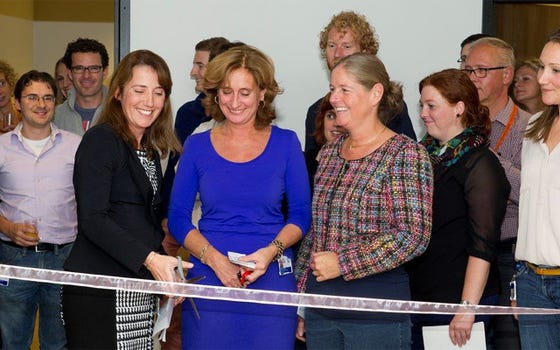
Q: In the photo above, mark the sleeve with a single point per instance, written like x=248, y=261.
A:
x=99, y=155
x=512, y=168
x=183, y=195
x=410, y=188
x=297, y=187
x=486, y=195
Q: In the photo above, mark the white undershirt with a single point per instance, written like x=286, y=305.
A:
x=36, y=145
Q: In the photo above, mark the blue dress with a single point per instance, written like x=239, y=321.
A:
x=241, y=212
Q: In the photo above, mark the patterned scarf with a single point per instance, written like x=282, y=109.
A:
x=444, y=156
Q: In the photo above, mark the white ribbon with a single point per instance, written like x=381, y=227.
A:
x=256, y=295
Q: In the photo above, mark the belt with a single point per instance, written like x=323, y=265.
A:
x=40, y=247
x=544, y=270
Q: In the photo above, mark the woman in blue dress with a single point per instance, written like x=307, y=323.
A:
x=243, y=168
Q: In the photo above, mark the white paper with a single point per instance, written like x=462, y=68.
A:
x=164, y=318
x=437, y=338
x=233, y=257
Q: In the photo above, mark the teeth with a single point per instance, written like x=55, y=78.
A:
x=144, y=112
x=340, y=109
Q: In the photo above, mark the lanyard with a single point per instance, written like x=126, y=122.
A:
x=507, y=129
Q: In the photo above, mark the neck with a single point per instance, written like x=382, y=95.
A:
x=35, y=133
x=239, y=131
x=89, y=101
x=366, y=137
x=534, y=105
x=497, y=105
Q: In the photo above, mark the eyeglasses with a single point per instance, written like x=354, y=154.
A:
x=35, y=98
x=462, y=59
x=480, y=72
x=90, y=69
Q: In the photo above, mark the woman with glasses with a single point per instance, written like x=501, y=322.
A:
x=470, y=196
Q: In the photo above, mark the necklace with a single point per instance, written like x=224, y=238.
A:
x=368, y=142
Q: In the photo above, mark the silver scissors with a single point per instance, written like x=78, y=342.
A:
x=181, y=274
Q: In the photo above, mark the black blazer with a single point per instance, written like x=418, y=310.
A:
x=118, y=224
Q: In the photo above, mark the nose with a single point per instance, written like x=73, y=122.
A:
x=193, y=72
x=339, y=52
x=149, y=100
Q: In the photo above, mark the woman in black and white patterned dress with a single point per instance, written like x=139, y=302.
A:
x=117, y=179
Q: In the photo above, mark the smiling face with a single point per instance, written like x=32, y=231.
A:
x=5, y=91
x=63, y=82
x=330, y=129
x=340, y=45
x=142, y=99
x=36, y=114
x=239, y=98
x=549, y=74
x=525, y=85
x=352, y=102
x=200, y=61
x=87, y=84
x=439, y=116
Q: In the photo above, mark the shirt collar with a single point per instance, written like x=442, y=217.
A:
x=55, y=132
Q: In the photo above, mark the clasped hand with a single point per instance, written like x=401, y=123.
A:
x=325, y=265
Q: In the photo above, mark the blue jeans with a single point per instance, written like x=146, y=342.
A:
x=328, y=333
x=20, y=299
x=538, y=331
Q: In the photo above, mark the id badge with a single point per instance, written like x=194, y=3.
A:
x=284, y=266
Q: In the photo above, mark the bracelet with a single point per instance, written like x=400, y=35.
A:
x=279, y=249
x=149, y=259
x=466, y=303
x=203, y=253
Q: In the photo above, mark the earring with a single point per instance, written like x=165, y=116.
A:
x=458, y=115
x=216, y=99
x=262, y=103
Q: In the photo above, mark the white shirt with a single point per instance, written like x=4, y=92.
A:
x=538, y=239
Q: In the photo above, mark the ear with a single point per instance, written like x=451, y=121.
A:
x=460, y=108
x=18, y=105
x=508, y=75
x=105, y=72
x=117, y=95
x=376, y=93
x=261, y=95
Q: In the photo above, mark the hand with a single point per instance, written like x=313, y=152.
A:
x=22, y=234
x=325, y=265
x=163, y=267
x=300, y=331
x=460, y=329
x=262, y=258
x=223, y=268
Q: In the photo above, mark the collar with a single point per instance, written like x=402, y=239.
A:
x=55, y=132
x=503, y=116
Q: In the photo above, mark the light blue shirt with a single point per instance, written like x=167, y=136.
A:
x=40, y=186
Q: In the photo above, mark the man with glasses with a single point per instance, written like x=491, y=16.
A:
x=490, y=65
x=87, y=61
x=37, y=213
x=466, y=47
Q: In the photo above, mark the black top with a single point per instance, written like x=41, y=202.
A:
x=117, y=208
x=400, y=124
x=469, y=204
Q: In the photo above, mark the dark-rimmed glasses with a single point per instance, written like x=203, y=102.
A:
x=82, y=69
x=480, y=72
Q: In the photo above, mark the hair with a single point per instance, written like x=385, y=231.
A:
x=324, y=107
x=361, y=30
x=85, y=45
x=59, y=97
x=472, y=38
x=506, y=54
x=455, y=86
x=33, y=76
x=539, y=129
x=9, y=73
x=160, y=135
x=212, y=45
x=533, y=63
x=261, y=68
x=368, y=70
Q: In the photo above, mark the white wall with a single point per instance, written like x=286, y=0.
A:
x=51, y=38
x=416, y=38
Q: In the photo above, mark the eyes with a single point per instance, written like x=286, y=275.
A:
x=242, y=92
x=333, y=46
x=142, y=91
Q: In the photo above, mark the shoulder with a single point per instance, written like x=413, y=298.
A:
x=312, y=110
x=284, y=135
x=482, y=157
x=102, y=136
x=68, y=137
x=402, y=144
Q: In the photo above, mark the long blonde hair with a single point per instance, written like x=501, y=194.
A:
x=540, y=128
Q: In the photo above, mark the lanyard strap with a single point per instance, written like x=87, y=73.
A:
x=507, y=129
